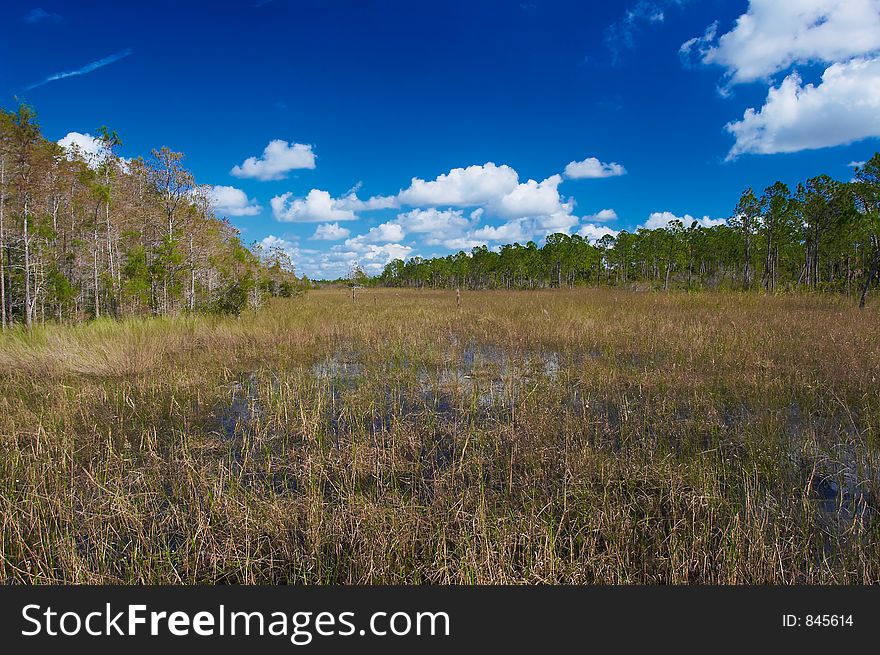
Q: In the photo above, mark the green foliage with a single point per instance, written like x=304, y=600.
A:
x=233, y=298
x=136, y=273
x=825, y=236
x=113, y=239
x=61, y=292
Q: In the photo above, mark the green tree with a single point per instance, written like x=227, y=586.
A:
x=867, y=193
x=745, y=221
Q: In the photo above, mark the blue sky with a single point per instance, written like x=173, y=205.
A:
x=369, y=130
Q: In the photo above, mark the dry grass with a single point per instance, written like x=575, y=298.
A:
x=589, y=436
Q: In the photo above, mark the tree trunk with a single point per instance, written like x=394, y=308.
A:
x=875, y=264
x=768, y=264
x=192, y=277
x=110, y=259
x=27, y=271
x=97, y=290
x=3, y=243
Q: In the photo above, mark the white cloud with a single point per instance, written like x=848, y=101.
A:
x=317, y=207
x=698, y=47
x=86, y=147
x=372, y=250
x=277, y=160
x=352, y=202
x=337, y=262
x=528, y=210
x=594, y=232
x=489, y=188
x=289, y=247
x=592, y=168
x=663, y=219
x=773, y=35
x=622, y=35
x=770, y=38
x=526, y=229
x=602, y=216
x=383, y=233
x=518, y=230
x=462, y=187
x=88, y=68
x=561, y=221
x=856, y=164
x=532, y=198
x=229, y=201
x=330, y=232
x=494, y=190
x=843, y=108
x=453, y=230
x=370, y=256
x=448, y=228
x=459, y=243
x=435, y=222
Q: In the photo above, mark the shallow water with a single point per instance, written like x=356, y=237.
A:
x=480, y=384
x=243, y=407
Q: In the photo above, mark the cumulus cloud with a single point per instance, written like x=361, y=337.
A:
x=450, y=211
x=593, y=232
x=317, y=207
x=372, y=257
x=490, y=188
x=773, y=35
x=526, y=229
x=230, y=201
x=592, y=168
x=518, y=230
x=277, y=160
x=532, y=198
x=663, y=219
x=843, y=108
x=561, y=221
x=330, y=232
x=352, y=202
x=383, y=233
x=435, y=222
x=460, y=243
x=462, y=187
x=529, y=209
x=287, y=246
x=85, y=147
x=338, y=260
x=602, y=216
x=449, y=228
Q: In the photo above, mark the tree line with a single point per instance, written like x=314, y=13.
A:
x=825, y=235
x=88, y=237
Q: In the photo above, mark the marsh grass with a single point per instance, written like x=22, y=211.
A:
x=586, y=436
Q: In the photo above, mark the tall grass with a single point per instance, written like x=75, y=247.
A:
x=586, y=436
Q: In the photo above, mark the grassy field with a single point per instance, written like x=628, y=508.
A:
x=585, y=436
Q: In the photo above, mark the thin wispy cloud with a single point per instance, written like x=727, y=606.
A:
x=88, y=68
x=622, y=35
x=40, y=15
